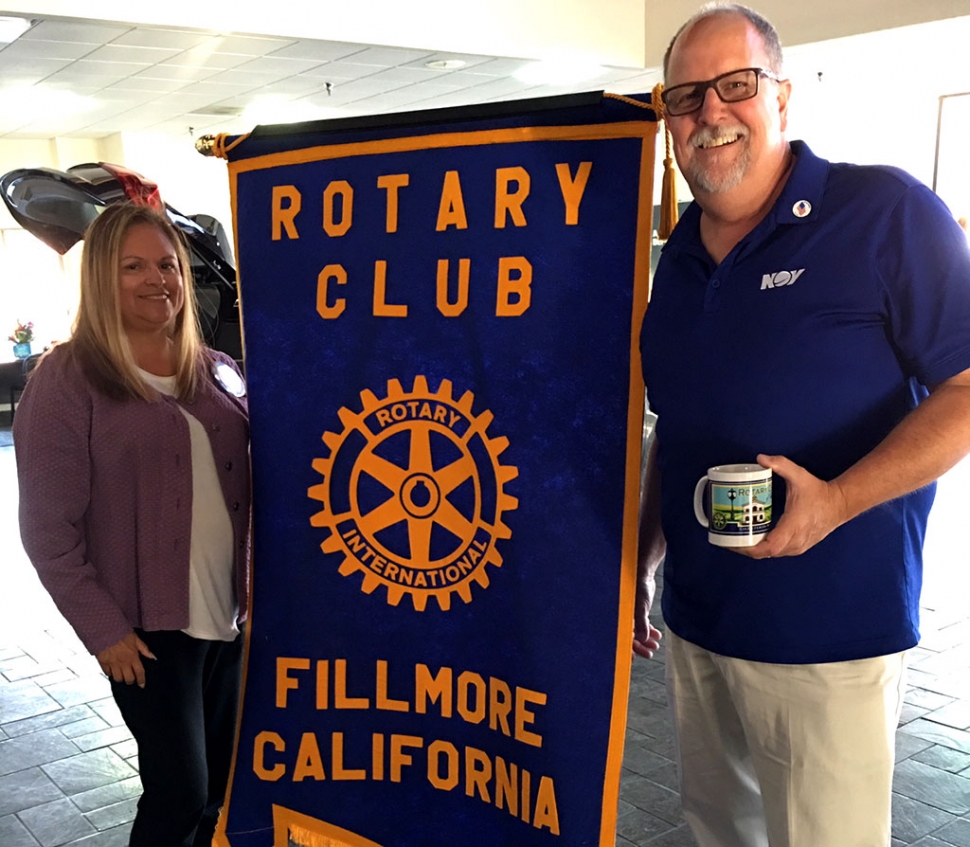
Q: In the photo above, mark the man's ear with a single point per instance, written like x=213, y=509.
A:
x=784, y=93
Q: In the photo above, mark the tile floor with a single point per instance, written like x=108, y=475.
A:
x=68, y=767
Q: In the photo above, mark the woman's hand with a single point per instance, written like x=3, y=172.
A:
x=122, y=661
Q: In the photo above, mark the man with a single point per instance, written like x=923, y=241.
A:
x=815, y=317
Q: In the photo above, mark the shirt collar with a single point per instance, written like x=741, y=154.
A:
x=805, y=185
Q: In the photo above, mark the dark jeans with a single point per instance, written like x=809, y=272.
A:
x=184, y=722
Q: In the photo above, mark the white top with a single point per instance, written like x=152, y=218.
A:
x=212, y=597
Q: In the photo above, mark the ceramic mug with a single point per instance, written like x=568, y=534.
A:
x=734, y=503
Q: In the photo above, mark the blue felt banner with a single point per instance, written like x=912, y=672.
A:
x=440, y=323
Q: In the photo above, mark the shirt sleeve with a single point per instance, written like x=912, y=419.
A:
x=924, y=267
x=51, y=431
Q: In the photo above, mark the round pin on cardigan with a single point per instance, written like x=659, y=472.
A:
x=229, y=379
x=802, y=209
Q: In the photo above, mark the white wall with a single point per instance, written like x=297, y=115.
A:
x=192, y=183
x=36, y=284
x=805, y=22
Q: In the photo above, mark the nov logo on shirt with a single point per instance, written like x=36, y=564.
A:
x=780, y=278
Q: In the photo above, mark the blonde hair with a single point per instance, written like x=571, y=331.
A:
x=98, y=338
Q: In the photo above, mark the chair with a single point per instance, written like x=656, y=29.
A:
x=20, y=382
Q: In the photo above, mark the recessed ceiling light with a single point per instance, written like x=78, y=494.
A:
x=558, y=72
x=12, y=28
x=446, y=64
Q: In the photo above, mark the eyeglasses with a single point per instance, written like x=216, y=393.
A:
x=732, y=87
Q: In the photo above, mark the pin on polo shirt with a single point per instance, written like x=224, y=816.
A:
x=801, y=209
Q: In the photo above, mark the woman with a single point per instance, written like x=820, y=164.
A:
x=132, y=456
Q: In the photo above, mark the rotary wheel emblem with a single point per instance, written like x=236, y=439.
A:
x=413, y=494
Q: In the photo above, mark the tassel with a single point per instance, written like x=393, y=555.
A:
x=668, y=189
x=668, y=200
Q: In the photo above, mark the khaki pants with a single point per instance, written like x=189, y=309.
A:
x=785, y=755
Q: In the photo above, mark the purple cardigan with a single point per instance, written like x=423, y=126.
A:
x=106, y=497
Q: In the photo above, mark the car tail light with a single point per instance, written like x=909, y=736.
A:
x=137, y=188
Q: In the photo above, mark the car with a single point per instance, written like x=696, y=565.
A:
x=57, y=207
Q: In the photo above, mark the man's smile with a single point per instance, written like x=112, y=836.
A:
x=710, y=138
x=719, y=142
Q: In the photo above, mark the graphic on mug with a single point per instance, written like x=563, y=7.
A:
x=742, y=508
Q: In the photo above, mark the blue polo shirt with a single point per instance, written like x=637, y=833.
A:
x=812, y=339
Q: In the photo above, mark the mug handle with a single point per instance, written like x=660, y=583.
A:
x=699, y=502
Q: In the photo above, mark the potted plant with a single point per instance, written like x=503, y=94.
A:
x=21, y=338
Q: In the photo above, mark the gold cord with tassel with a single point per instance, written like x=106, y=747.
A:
x=668, y=188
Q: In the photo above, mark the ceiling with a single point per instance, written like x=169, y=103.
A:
x=142, y=78
x=154, y=76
